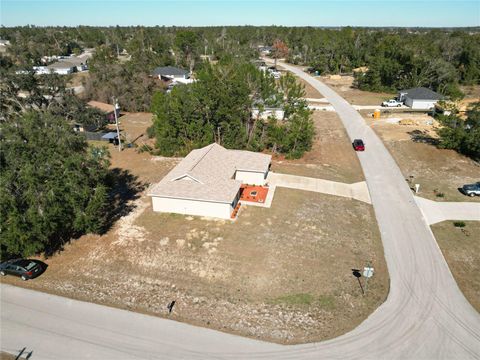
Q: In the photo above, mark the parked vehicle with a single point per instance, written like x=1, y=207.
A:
x=275, y=73
x=392, y=103
x=26, y=269
x=471, y=189
x=358, y=145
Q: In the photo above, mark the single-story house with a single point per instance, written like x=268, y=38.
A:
x=167, y=73
x=62, y=67
x=419, y=98
x=106, y=108
x=207, y=182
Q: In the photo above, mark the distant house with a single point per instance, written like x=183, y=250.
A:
x=68, y=64
x=208, y=181
x=265, y=50
x=62, y=68
x=3, y=45
x=266, y=113
x=106, y=108
x=419, y=98
x=168, y=73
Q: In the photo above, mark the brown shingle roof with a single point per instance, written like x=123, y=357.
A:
x=101, y=106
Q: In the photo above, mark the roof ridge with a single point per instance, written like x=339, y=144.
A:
x=201, y=158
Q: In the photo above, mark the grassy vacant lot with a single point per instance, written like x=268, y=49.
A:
x=461, y=249
x=281, y=274
x=438, y=171
x=344, y=88
x=331, y=157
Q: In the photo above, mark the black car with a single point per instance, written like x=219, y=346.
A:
x=471, y=189
x=24, y=268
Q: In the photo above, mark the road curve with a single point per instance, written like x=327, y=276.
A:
x=424, y=317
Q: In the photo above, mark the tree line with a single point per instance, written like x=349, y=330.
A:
x=440, y=59
x=219, y=107
x=53, y=185
x=461, y=133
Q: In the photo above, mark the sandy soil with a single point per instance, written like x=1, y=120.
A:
x=344, y=88
x=281, y=274
x=461, y=249
x=331, y=157
x=439, y=172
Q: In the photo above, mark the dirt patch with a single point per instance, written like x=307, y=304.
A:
x=331, y=157
x=461, y=249
x=344, y=87
x=439, y=172
x=134, y=126
x=310, y=91
x=281, y=274
x=7, y=356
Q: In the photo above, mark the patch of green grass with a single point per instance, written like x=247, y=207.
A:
x=327, y=302
x=295, y=299
x=459, y=224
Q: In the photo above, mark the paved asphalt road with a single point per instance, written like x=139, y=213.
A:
x=425, y=316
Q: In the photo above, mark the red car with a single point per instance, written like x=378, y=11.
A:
x=358, y=145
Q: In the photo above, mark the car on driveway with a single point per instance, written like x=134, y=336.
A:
x=358, y=145
x=392, y=103
x=471, y=189
x=25, y=269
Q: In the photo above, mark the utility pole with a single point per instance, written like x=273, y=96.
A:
x=115, y=108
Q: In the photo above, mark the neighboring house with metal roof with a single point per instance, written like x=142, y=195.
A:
x=419, y=98
x=207, y=182
x=170, y=73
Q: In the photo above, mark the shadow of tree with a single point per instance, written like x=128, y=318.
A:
x=420, y=136
x=125, y=188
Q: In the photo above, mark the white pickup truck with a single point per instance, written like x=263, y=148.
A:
x=392, y=103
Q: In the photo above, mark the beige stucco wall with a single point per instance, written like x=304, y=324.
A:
x=250, y=177
x=192, y=207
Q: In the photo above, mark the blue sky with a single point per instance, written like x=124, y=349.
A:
x=433, y=13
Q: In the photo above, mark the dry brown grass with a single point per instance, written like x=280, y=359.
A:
x=344, y=87
x=77, y=79
x=461, y=249
x=281, y=274
x=7, y=356
x=331, y=157
x=438, y=171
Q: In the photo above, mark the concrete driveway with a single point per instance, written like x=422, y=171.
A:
x=358, y=191
x=436, y=211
